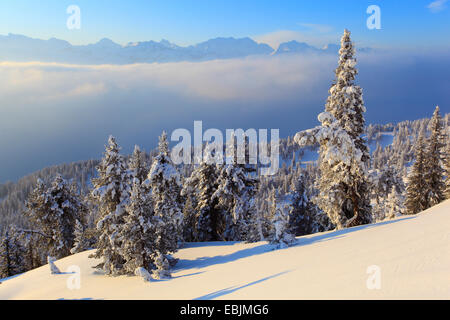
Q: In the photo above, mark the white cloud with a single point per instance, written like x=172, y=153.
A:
x=255, y=79
x=36, y=82
x=437, y=6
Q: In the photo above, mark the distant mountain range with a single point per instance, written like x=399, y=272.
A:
x=24, y=49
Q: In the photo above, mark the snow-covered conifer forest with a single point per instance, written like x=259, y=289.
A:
x=134, y=212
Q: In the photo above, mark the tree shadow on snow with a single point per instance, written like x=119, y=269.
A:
x=229, y=290
x=175, y=277
x=187, y=275
x=10, y=278
x=209, y=244
x=90, y=299
x=63, y=273
x=202, y=262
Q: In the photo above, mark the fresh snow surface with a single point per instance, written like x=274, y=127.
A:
x=411, y=252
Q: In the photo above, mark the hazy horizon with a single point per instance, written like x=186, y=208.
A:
x=403, y=23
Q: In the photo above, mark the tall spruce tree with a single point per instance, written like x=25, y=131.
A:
x=346, y=104
x=33, y=258
x=164, y=182
x=12, y=254
x=302, y=215
x=200, y=187
x=343, y=155
x=6, y=256
x=111, y=194
x=280, y=233
x=138, y=169
x=345, y=101
x=189, y=220
x=256, y=226
x=139, y=232
x=435, y=186
x=81, y=242
x=53, y=212
x=137, y=166
x=237, y=186
x=388, y=176
x=394, y=204
x=69, y=208
x=35, y=206
x=416, y=199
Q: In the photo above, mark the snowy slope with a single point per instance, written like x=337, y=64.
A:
x=413, y=254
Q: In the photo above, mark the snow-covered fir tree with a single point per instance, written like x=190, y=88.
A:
x=164, y=182
x=235, y=194
x=33, y=258
x=200, y=187
x=343, y=156
x=341, y=168
x=189, y=220
x=12, y=254
x=346, y=104
x=394, y=206
x=281, y=235
x=302, y=215
x=35, y=200
x=54, y=212
x=111, y=193
x=255, y=230
x=435, y=186
x=81, y=242
x=384, y=180
x=345, y=101
x=67, y=206
x=416, y=199
x=137, y=166
x=139, y=232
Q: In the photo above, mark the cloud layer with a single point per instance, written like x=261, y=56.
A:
x=53, y=113
x=256, y=79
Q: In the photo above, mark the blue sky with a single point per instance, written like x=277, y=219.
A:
x=404, y=23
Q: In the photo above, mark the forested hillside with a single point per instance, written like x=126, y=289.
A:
x=391, y=144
